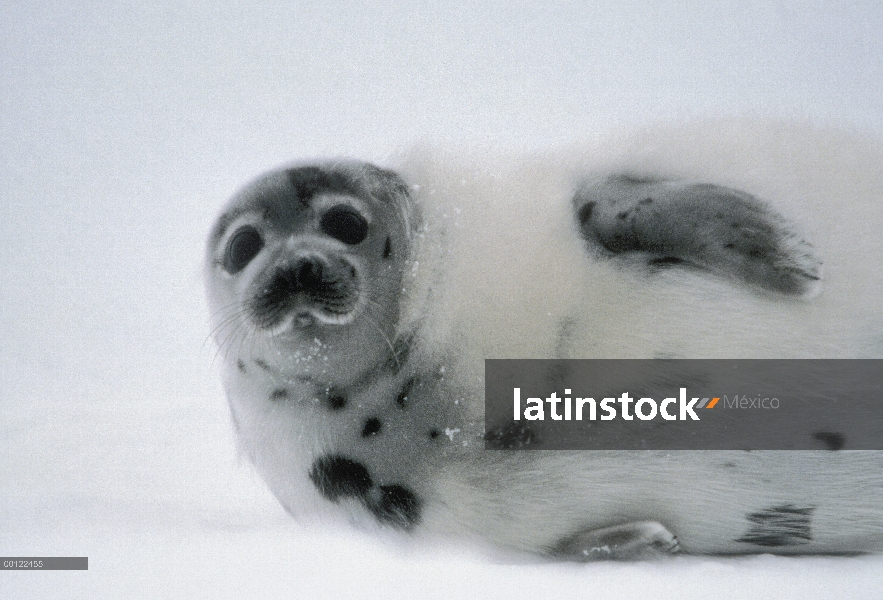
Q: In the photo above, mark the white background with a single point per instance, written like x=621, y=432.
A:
x=123, y=128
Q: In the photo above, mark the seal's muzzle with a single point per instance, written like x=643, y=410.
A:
x=310, y=288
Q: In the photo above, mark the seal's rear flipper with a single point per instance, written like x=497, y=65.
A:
x=719, y=229
x=641, y=539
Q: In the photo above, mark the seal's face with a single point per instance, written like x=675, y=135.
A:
x=305, y=270
x=314, y=268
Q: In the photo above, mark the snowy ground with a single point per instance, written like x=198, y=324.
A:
x=125, y=125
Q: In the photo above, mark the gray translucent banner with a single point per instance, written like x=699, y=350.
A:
x=684, y=404
x=43, y=563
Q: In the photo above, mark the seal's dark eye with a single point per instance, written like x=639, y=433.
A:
x=344, y=223
x=243, y=246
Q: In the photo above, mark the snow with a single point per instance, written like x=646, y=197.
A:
x=126, y=125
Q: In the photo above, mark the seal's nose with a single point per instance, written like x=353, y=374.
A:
x=328, y=288
x=304, y=280
x=305, y=275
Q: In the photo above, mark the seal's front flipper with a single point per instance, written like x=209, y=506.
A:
x=719, y=229
x=641, y=539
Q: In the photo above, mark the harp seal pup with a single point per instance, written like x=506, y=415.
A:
x=353, y=307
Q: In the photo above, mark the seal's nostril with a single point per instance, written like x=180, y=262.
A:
x=308, y=273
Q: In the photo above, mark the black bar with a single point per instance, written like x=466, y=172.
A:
x=44, y=563
x=811, y=404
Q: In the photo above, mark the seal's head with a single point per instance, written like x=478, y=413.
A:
x=305, y=270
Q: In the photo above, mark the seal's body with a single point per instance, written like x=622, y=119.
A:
x=354, y=307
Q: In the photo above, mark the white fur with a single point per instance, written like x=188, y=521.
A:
x=502, y=265
x=498, y=266
x=504, y=261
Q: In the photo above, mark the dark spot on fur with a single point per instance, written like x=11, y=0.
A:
x=338, y=477
x=336, y=400
x=363, y=181
x=784, y=525
x=511, y=435
x=280, y=394
x=585, y=212
x=665, y=261
x=622, y=215
x=262, y=364
x=402, y=398
x=241, y=366
x=396, y=506
x=633, y=178
x=309, y=181
x=832, y=440
x=434, y=433
x=646, y=201
x=387, y=249
x=372, y=427
x=757, y=252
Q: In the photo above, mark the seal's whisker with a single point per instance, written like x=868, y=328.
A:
x=221, y=317
x=224, y=323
